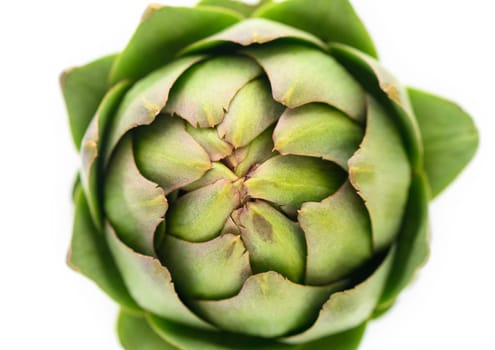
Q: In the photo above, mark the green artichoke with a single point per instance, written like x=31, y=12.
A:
x=252, y=177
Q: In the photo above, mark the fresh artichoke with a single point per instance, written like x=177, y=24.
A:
x=252, y=178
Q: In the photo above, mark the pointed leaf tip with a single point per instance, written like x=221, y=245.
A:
x=449, y=137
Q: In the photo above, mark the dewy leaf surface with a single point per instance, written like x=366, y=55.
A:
x=299, y=74
x=330, y=20
x=163, y=34
x=89, y=254
x=449, y=136
x=83, y=89
x=381, y=173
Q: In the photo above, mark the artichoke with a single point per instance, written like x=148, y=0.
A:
x=253, y=178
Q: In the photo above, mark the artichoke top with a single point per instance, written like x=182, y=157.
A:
x=253, y=177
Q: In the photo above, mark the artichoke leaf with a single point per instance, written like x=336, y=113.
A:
x=449, y=137
x=196, y=339
x=253, y=31
x=203, y=94
x=145, y=101
x=384, y=85
x=89, y=254
x=268, y=305
x=349, y=308
x=331, y=21
x=412, y=243
x=251, y=112
x=381, y=173
x=275, y=243
x=215, y=269
x=200, y=215
x=162, y=34
x=317, y=130
x=338, y=236
x=259, y=150
x=136, y=334
x=150, y=283
x=92, y=146
x=168, y=155
x=83, y=89
x=299, y=75
x=217, y=172
x=235, y=5
x=208, y=138
x=134, y=205
x=292, y=180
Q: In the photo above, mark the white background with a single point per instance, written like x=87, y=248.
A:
x=444, y=46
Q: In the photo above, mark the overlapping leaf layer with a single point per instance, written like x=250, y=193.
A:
x=249, y=183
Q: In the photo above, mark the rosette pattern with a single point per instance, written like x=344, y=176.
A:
x=253, y=178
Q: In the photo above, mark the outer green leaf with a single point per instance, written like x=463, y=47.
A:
x=195, y=339
x=92, y=146
x=449, y=136
x=385, y=87
x=235, y=5
x=90, y=255
x=381, y=173
x=136, y=334
x=83, y=89
x=348, y=340
x=268, y=305
x=330, y=20
x=412, y=242
x=163, y=33
x=347, y=309
x=253, y=31
x=150, y=283
x=300, y=75
x=134, y=205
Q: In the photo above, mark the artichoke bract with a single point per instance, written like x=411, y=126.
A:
x=253, y=178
